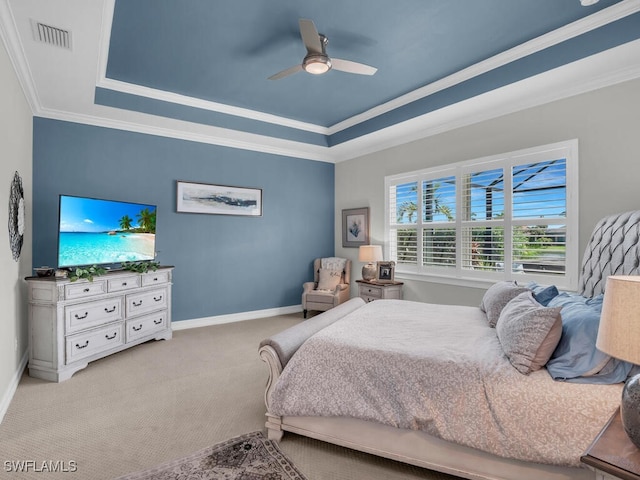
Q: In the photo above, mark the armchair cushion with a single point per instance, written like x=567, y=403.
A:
x=329, y=279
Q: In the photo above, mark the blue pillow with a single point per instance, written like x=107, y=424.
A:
x=576, y=358
x=543, y=293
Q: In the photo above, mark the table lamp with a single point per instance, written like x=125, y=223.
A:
x=369, y=254
x=619, y=336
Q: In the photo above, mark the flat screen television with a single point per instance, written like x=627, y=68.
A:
x=100, y=232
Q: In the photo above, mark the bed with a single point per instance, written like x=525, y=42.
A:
x=458, y=389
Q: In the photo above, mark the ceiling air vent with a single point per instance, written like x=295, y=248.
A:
x=58, y=37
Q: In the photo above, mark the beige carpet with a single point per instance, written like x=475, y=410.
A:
x=161, y=401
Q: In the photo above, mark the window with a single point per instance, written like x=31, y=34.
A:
x=511, y=216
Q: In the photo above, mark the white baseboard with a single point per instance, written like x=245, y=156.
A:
x=234, y=317
x=13, y=385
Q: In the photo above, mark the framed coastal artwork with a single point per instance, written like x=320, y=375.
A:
x=355, y=227
x=218, y=199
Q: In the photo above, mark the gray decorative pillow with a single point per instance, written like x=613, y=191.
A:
x=496, y=297
x=529, y=332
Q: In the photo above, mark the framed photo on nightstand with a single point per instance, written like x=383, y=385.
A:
x=385, y=272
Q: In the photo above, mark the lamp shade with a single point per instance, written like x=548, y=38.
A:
x=619, y=336
x=619, y=332
x=370, y=253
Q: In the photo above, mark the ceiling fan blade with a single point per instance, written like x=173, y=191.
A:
x=286, y=73
x=352, y=67
x=310, y=36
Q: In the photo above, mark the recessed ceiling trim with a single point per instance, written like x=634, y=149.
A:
x=579, y=27
x=591, y=73
x=124, y=87
x=209, y=135
x=9, y=36
x=187, y=101
x=584, y=25
x=602, y=70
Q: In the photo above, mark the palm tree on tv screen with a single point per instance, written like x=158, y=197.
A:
x=147, y=220
x=126, y=222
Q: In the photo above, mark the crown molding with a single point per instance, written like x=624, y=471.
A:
x=574, y=29
x=579, y=27
x=153, y=93
x=607, y=68
x=144, y=123
x=11, y=39
x=592, y=73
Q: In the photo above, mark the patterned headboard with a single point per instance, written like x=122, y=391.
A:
x=614, y=249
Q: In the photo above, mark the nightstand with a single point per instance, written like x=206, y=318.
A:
x=612, y=455
x=370, y=291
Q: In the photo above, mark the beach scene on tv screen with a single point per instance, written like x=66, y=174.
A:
x=93, y=231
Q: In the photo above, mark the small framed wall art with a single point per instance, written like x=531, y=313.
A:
x=385, y=272
x=355, y=227
x=218, y=199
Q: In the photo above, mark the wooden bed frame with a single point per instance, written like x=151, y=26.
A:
x=603, y=257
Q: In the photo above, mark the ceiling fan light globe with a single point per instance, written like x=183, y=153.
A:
x=316, y=64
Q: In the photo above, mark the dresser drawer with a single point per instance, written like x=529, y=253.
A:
x=92, y=314
x=123, y=283
x=155, y=278
x=145, y=302
x=142, y=326
x=94, y=341
x=84, y=289
x=369, y=291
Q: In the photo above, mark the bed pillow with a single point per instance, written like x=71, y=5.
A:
x=328, y=279
x=576, y=358
x=543, y=293
x=528, y=332
x=496, y=297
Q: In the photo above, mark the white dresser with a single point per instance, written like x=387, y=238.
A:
x=74, y=323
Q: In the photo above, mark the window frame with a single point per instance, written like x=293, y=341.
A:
x=567, y=150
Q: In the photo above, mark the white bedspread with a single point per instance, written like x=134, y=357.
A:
x=441, y=369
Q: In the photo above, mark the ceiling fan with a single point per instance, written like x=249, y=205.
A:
x=316, y=61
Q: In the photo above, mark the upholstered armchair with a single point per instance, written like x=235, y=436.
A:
x=330, y=286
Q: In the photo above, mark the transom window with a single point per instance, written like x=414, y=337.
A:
x=510, y=216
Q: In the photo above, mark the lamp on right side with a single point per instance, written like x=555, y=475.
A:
x=619, y=336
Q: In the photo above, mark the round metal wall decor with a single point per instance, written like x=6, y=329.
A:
x=16, y=216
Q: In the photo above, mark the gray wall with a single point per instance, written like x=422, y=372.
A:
x=224, y=264
x=605, y=122
x=15, y=145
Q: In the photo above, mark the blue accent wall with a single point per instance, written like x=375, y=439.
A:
x=224, y=264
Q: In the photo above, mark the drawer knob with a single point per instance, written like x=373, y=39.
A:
x=115, y=334
x=157, y=299
x=155, y=279
x=138, y=328
x=86, y=344
x=124, y=284
x=113, y=309
x=137, y=304
x=81, y=317
x=86, y=290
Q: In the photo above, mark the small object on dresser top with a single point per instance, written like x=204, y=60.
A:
x=43, y=271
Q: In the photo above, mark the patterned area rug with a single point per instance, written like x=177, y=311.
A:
x=247, y=457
